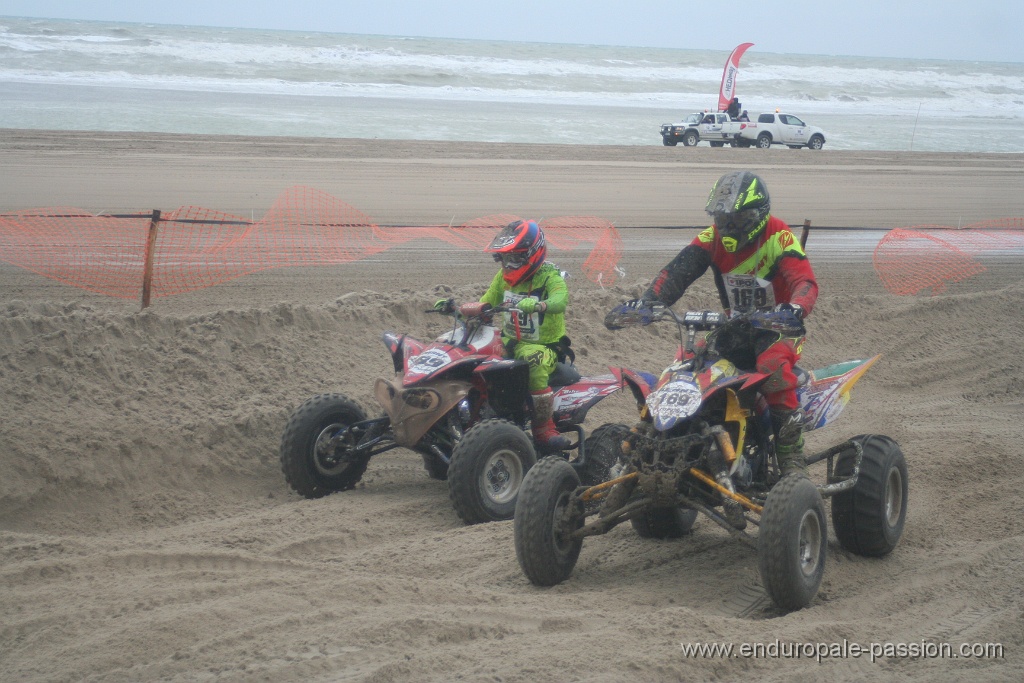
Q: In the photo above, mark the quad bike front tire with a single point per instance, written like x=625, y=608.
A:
x=545, y=517
x=791, y=543
x=487, y=469
x=868, y=519
x=309, y=468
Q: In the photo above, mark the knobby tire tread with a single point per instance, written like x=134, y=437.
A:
x=295, y=457
x=464, y=474
x=543, y=563
x=778, y=558
x=858, y=515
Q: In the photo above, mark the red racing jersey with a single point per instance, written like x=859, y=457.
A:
x=774, y=259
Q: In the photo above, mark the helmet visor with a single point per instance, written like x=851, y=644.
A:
x=736, y=225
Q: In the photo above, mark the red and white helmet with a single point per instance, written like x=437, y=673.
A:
x=520, y=248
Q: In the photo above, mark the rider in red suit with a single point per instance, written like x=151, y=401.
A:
x=758, y=265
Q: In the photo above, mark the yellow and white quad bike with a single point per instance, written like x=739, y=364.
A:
x=704, y=444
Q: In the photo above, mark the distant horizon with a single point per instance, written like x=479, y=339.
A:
x=725, y=51
x=888, y=29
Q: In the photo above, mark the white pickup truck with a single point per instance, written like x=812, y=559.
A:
x=780, y=129
x=714, y=127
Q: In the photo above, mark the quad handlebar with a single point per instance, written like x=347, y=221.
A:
x=468, y=316
x=640, y=313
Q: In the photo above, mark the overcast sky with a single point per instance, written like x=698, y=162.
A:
x=987, y=30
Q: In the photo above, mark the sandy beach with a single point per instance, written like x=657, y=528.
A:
x=147, y=532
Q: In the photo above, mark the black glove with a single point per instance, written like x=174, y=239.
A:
x=444, y=306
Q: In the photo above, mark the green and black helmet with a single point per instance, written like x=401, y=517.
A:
x=740, y=205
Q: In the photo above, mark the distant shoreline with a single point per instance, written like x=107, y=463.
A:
x=401, y=148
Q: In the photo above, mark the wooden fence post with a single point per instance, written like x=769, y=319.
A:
x=147, y=268
x=804, y=233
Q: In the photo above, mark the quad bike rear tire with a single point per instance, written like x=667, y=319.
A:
x=868, y=519
x=487, y=469
x=308, y=468
x=791, y=543
x=545, y=516
x=436, y=467
x=664, y=523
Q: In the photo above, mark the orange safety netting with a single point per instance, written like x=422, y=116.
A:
x=196, y=247
x=911, y=260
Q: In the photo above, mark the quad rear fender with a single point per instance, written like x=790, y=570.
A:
x=572, y=401
x=826, y=394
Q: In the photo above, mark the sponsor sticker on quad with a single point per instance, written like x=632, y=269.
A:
x=571, y=398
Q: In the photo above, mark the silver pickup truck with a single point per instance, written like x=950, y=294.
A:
x=763, y=131
x=714, y=127
x=780, y=129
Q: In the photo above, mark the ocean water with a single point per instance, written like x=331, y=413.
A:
x=74, y=75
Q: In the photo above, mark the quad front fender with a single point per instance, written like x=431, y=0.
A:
x=754, y=381
x=414, y=410
x=640, y=383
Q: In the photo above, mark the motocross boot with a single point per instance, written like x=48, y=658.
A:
x=733, y=510
x=546, y=436
x=734, y=515
x=789, y=441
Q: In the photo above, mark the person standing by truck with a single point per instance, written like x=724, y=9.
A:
x=733, y=110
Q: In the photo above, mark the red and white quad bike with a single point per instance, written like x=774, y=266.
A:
x=463, y=406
